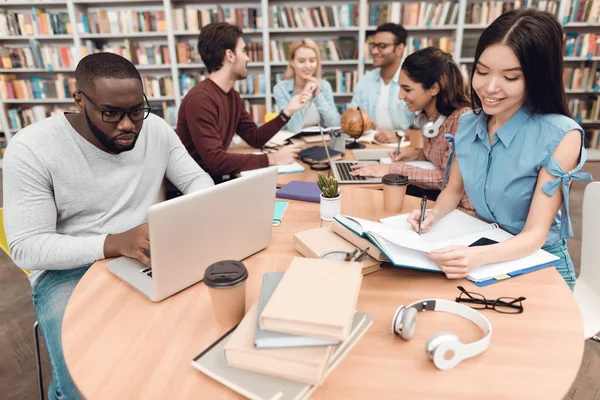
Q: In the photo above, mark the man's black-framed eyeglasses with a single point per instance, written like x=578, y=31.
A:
x=135, y=114
x=504, y=305
x=380, y=46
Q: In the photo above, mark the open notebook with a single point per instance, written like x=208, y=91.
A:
x=405, y=248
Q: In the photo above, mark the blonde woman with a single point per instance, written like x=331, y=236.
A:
x=303, y=76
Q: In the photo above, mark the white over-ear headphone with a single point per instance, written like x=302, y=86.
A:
x=428, y=128
x=445, y=349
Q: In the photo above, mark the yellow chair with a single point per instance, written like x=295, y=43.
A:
x=36, y=340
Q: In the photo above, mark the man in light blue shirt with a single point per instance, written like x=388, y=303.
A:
x=377, y=91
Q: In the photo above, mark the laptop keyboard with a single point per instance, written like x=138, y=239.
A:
x=344, y=170
x=147, y=272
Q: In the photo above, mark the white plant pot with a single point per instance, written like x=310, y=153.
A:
x=330, y=207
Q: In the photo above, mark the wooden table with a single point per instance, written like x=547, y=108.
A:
x=119, y=345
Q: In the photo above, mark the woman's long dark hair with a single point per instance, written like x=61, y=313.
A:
x=431, y=65
x=536, y=38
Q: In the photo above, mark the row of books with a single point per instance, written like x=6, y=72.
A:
x=582, y=45
x=36, y=22
x=36, y=56
x=485, y=12
x=585, y=110
x=187, y=53
x=20, y=117
x=166, y=111
x=257, y=111
x=60, y=87
x=137, y=53
x=593, y=139
x=122, y=21
x=582, y=11
x=582, y=77
x=253, y=84
x=424, y=13
x=158, y=86
x=343, y=48
x=413, y=44
x=340, y=81
x=339, y=16
x=191, y=18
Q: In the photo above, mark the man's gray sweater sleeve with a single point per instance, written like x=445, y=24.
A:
x=182, y=170
x=30, y=217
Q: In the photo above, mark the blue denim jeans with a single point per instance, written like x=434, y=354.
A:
x=565, y=265
x=51, y=292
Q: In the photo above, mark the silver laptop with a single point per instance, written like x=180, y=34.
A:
x=230, y=221
x=341, y=169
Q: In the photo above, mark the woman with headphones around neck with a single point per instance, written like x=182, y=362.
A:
x=431, y=83
x=518, y=152
x=303, y=75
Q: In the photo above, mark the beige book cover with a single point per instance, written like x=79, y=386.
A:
x=301, y=364
x=358, y=241
x=315, y=242
x=314, y=298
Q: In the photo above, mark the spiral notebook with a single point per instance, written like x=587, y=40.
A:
x=405, y=248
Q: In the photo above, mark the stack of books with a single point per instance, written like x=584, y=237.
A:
x=293, y=337
x=314, y=243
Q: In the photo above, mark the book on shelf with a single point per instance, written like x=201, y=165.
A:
x=446, y=43
x=158, y=86
x=582, y=44
x=485, y=12
x=138, y=53
x=584, y=77
x=34, y=23
x=342, y=48
x=194, y=17
x=20, y=117
x=122, y=21
x=166, y=112
x=414, y=14
x=593, y=138
x=60, y=87
x=585, y=109
x=582, y=11
x=334, y=16
x=36, y=56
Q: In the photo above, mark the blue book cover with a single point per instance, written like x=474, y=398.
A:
x=298, y=190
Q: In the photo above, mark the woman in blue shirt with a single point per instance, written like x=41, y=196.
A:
x=303, y=75
x=518, y=151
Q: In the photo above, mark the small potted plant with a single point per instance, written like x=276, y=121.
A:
x=330, y=197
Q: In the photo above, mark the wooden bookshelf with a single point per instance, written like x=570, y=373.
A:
x=357, y=26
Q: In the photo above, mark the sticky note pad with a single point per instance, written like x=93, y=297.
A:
x=500, y=277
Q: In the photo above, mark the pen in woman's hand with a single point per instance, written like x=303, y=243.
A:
x=423, y=208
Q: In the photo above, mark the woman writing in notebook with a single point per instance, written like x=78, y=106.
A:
x=518, y=151
x=303, y=76
x=431, y=83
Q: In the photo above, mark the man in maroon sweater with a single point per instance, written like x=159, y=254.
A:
x=213, y=111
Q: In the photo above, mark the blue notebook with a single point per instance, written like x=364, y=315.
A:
x=298, y=190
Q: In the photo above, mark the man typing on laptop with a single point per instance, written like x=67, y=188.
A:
x=78, y=186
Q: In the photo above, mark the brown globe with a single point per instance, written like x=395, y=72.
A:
x=355, y=122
